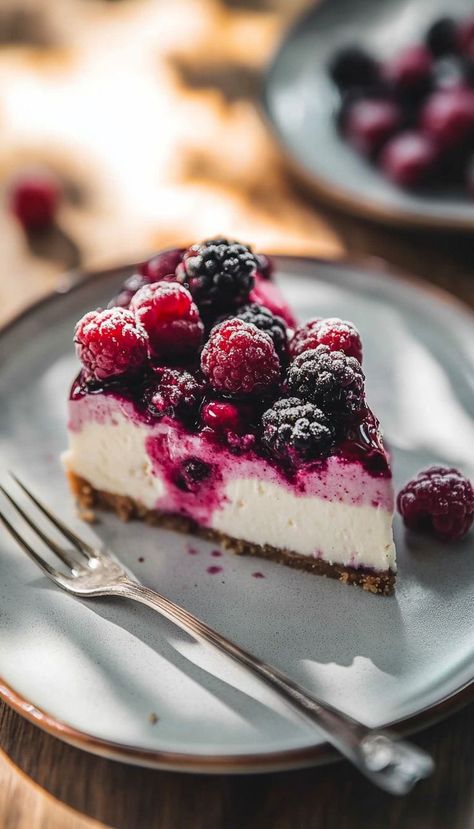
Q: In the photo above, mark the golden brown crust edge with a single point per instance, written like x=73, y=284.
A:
x=89, y=498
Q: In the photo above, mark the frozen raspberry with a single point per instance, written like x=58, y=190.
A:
x=238, y=359
x=162, y=266
x=219, y=273
x=329, y=379
x=448, y=117
x=409, y=72
x=409, y=158
x=441, y=37
x=221, y=417
x=34, y=200
x=293, y=428
x=266, y=321
x=171, y=319
x=370, y=122
x=339, y=335
x=352, y=67
x=110, y=343
x=439, y=501
x=178, y=391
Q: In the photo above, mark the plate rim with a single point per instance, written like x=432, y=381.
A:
x=282, y=760
x=319, y=186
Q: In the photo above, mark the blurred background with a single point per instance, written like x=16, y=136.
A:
x=145, y=113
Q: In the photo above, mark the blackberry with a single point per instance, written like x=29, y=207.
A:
x=441, y=37
x=219, y=273
x=264, y=320
x=294, y=428
x=178, y=391
x=352, y=67
x=329, y=379
x=192, y=473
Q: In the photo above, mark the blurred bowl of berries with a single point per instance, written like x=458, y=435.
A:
x=373, y=105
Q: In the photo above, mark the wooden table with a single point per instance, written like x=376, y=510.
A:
x=216, y=172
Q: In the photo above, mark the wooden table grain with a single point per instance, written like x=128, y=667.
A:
x=211, y=165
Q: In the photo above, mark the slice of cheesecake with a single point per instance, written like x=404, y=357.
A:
x=200, y=408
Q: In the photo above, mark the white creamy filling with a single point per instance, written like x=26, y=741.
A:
x=113, y=457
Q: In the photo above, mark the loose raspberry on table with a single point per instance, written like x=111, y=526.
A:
x=337, y=334
x=439, y=501
x=219, y=273
x=178, y=391
x=270, y=323
x=34, y=199
x=330, y=379
x=293, y=428
x=171, y=319
x=239, y=359
x=110, y=343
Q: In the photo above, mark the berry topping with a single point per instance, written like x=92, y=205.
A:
x=409, y=158
x=293, y=429
x=220, y=274
x=162, y=266
x=110, y=343
x=448, y=117
x=441, y=37
x=177, y=391
x=171, y=319
x=409, y=71
x=221, y=417
x=265, y=266
x=329, y=379
x=266, y=293
x=34, y=200
x=266, y=321
x=239, y=359
x=370, y=122
x=439, y=501
x=191, y=474
x=337, y=334
x=351, y=67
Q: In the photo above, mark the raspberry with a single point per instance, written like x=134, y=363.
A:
x=439, y=501
x=34, y=200
x=369, y=123
x=171, y=319
x=448, y=117
x=339, y=335
x=409, y=158
x=162, y=266
x=409, y=72
x=329, y=379
x=178, y=391
x=266, y=321
x=220, y=274
x=238, y=359
x=292, y=428
x=221, y=417
x=110, y=343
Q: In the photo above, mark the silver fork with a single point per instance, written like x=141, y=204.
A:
x=391, y=764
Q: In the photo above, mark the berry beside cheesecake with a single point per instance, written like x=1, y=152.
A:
x=201, y=408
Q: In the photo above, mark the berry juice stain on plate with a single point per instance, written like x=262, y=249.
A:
x=214, y=569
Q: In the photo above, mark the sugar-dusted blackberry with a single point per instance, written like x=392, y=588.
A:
x=351, y=66
x=293, y=429
x=329, y=379
x=270, y=323
x=178, y=391
x=219, y=273
x=441, y=37
x=439, y=501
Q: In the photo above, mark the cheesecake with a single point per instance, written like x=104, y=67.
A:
x=202, y=406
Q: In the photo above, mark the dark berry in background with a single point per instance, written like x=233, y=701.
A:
x=352, y=67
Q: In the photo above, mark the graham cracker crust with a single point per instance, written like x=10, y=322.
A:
x=89, y=498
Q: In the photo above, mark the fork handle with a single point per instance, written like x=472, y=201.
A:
x=393, y=765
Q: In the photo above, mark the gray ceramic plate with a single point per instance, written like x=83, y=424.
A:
x=300, y=100
x=93, y=673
